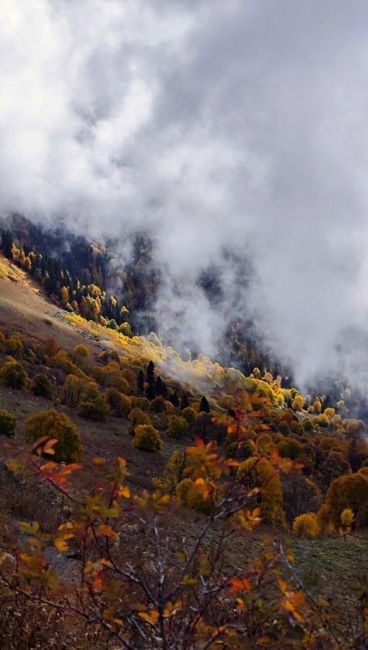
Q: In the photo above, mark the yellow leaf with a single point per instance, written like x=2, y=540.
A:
x=189, y=581
x=30, y=529
x=171, y=609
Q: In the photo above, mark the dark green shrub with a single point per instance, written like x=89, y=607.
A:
x=62, y=361
x=72, y=390
x=7, y=423
x=141, y=403
x=173, y=473
x=95, y=410
x=178, y=427
x=240, y=451
x=290, y=448
x=188, y=495
x=190, y=415
x=120, y=404
x=125, y=329
x=137, y=416
x=14, y=345
x=129, y=375
x=41, y=386
x=56, y=425
x=80, y=356
x=80, y=352
x=158, y=405
x=147, y=438
x=13, y=375
x=114, y=379
x=92, y=404
x=112, y=324
x=284, y=428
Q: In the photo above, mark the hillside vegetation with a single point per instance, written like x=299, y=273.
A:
x=154, y=501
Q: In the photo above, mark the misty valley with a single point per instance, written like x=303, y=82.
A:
x=183, y=325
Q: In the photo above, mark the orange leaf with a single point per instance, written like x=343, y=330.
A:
x=98, y=460
x=240, y=584
x=124, y=492
x=106, y=530
x=68, y=469
x=49, y=446
x=60, y=542
x=48, y=466
x=97, y=582
x=292, y=601
x=150, y=617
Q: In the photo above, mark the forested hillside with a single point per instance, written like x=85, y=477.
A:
x=91, y=280
x=151, y=499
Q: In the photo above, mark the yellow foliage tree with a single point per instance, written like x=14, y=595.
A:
x=147, y=438
x=259, y=473
x=298, y=403
x=306, y=525
x=65, y=297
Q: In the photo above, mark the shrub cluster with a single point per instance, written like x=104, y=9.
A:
x=12, y=374
x=41, y=386
x=147, y=438
x=178, y=426
x=7, y=423
x=56, y=425
x=307, y=525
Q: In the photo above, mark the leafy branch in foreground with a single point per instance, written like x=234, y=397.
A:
x=137, y=574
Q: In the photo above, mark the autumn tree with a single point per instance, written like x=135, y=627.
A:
x=173, y=473
x=306, y=525
x=12, y=374
x=300, y=495
x=92, y=403
x=178, y=427
x=350, y=491
x=147, y=438
x=41, y=386
x=53, y=425
x=120, y=404
x=260, y=474
x=165, y=589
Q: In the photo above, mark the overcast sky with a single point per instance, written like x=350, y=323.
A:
x=238, y=124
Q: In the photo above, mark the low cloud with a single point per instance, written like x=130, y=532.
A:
x=217, y=126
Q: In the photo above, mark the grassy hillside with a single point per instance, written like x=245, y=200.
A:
x=332, y=566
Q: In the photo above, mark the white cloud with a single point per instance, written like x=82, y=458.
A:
x=219, y=125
